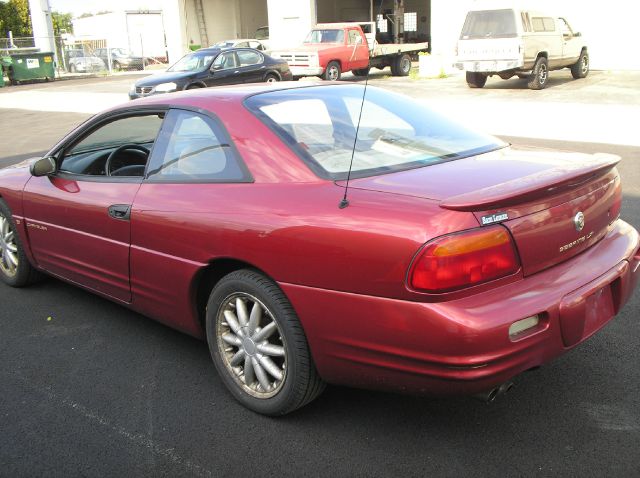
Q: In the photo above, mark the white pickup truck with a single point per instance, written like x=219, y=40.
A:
x=509, y=42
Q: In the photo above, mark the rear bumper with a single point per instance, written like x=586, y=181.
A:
x=489, y=66
x=306, y=70
x=463, y=346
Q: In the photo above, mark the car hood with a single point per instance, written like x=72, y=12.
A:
x=166, y=77
x=313, y=48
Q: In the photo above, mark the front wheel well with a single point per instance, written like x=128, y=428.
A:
x=273, y=73
x=196, y=84
x=334, y=61
x=209, y=276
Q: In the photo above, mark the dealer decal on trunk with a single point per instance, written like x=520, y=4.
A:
x=493, y=218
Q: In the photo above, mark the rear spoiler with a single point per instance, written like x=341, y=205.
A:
x=535, y=186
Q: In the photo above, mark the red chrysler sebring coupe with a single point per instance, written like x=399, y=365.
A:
x=312, y=237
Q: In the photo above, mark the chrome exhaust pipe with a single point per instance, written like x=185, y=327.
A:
x=490, y=395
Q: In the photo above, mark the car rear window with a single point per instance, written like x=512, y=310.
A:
x=489, y=24
x=395, y=132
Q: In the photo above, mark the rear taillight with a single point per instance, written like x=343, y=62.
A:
x=460, y=260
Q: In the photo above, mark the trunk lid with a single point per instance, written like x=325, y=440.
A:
x=555, y=205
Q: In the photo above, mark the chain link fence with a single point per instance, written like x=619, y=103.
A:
x=79, y=55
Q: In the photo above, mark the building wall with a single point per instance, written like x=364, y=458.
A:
x=252, y=15
x=343, y=10
x=290, y=21
x=142, y=33
x=111, y=27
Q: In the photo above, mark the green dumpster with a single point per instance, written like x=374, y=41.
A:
x=5, y=62
x=31, y=66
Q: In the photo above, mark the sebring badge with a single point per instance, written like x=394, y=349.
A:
x=578, y=221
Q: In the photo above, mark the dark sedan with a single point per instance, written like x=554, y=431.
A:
x=213, y=67
x=121, y=59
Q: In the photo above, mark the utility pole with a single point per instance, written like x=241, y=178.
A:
x=42, y=23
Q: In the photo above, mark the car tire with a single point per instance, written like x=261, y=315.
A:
x=271, y=78
x=361, y=72
x=401, y=65
x=72, y=68
x=580, y=69
x=116, y=66
x=540, y=74
x=280, y=359
x=333, y=71
x=15, y=269
x=475, y=79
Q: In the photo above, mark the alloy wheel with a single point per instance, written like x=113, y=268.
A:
x=542, y=74
x=251, y=345
x=585, y=65
x=8, y=248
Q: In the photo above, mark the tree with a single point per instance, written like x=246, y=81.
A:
x=61, y=23
x=14, y=17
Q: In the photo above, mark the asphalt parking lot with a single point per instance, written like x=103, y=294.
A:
x=89, y=388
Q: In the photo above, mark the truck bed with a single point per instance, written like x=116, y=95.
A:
x=394, y=48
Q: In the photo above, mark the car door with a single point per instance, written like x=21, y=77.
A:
x=225, y=70
x=193, y=177
x=571, y=46
x=252, y=67
x=78, y=219
x=359, y=51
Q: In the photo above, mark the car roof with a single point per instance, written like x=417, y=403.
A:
x=208, y=97
x=207, y=50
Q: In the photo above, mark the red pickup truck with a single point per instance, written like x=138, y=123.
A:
x=333, y=48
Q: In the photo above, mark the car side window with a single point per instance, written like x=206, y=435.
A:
x=565, y=28
x=244, y=44
x=225, y=60
x=543, y=24
x=104, y=152
x=248, y=57
x=353, y=37
x=193, y=147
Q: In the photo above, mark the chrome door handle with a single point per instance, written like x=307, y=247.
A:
x=120, y=211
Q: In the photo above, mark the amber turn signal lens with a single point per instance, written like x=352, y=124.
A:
x=464, y=259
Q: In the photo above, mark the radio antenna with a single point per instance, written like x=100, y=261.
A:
x=345, y=202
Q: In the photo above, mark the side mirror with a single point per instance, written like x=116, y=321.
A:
x=577, y=34
x=215, y=67
x=43, y=167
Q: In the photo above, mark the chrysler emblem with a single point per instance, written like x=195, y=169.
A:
x=578, y=221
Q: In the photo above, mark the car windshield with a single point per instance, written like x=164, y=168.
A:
x=121, y=52
x=396, y=132
x=325, y=36
x=489, y=24
x=262, y=33
x=193, y=62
